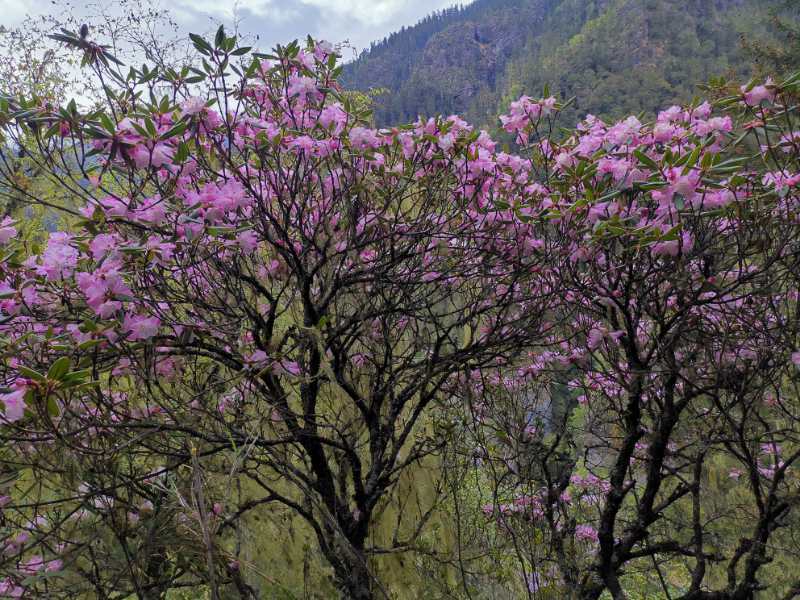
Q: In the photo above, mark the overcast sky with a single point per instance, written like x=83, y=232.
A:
x=274, y=21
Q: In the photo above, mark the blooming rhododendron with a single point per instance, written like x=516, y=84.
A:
x=14, y=405
x=140, y=327
x=757, y=94
x=262, y=292
x=7, y=230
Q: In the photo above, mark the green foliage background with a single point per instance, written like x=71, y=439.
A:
x=617, y=57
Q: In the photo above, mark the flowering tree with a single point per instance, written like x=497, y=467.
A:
x=661, y=435
x=258, y=303
x=261, y=299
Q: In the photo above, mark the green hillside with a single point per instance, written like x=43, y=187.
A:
x=616, y=56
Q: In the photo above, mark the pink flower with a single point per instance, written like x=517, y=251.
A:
x=248, y=241
x=333, y=115
x=108, y=308
x=361, y=137
x=60, y=258
x=102, y=244
x=8, y=589
x=54, y=565
x=164, y=250
x=323, y=49
x=717, y=125
x=595, y=338
x=257, y=357
x=586, y=533
x=302, y=86
x=140, y=327
x=781, y=181
x=192, y=106
x=122, y=368
x=7, y=232
x=759, y=93
x=291, y=367
x=673, y=247
x=14, y=404
x=102, y=287
x=525, y=111
x=166, y=366
x=36, y=564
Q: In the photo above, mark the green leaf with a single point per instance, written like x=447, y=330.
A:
x=151, y=127
x=708, y=160
x=107, y=123
x=203, y=46
x=89, y=344
x=59, y=368
x=139, y=129
x=88, y=326
x=175, y=131
x=52, y=407
x=182, y=153
x=692, y=159
x=31, y=374
x=77, y=376
x=646, y=160
x=672, y=234
x=111, y=57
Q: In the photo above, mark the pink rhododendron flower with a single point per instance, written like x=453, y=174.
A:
x=140, y=327
x=192, y=106
x=673, y=247
x=9, y=589
x=333, y=116
x=586, y=533
x=7, y=230
x=291, y=367
x=759, y=93
x=781, y=181
x=14, y=404
x=302, y=86
x=248, y=241
x=257, y=357
x=361, y=138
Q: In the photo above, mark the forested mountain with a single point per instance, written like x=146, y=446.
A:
x=616, y=56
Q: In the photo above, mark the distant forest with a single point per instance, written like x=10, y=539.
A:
x=616, y=57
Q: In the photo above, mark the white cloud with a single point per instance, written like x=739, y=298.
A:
x=273, y=21
x=228, y=10
x=14, y=11
x=372, y=12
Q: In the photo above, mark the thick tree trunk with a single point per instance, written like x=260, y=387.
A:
x=355, y=581
x=350, y=565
